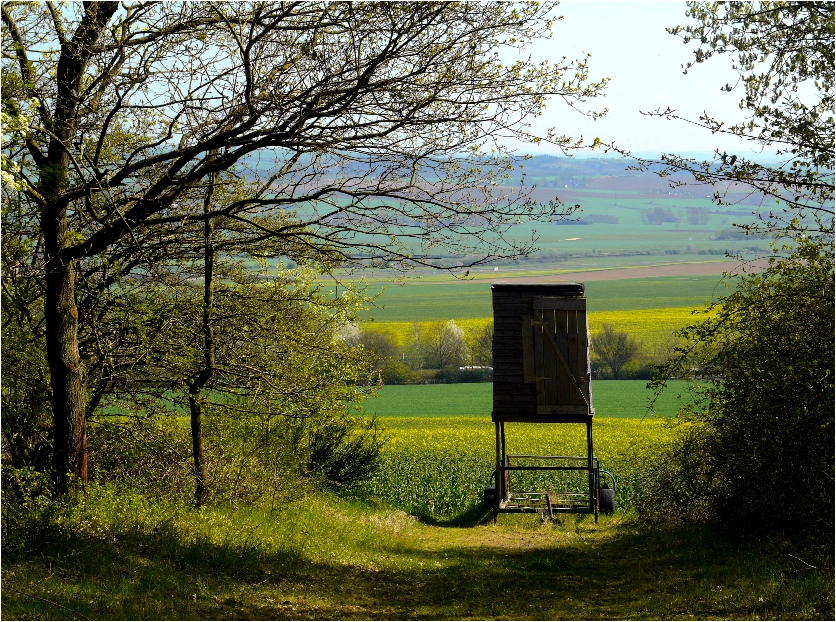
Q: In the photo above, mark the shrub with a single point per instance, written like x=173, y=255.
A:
x=344, y=452
x=675, y=483
x=763, y=364
x=28, y=510
x=153, y=453
x=453, y=375
x=398, y=372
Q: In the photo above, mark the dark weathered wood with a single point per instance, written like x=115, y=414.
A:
x=572, y=409
x=527, y=349
x=564, y=304
x=542, y=289
x=572, y=355
x=555, y=349
x=534, y=418
x=525, y=404
x=514, y=393
x=567, y=377
x=552, y=371
x=583, y=349
x=540, y=357
x=540, y=348
x=521, y=407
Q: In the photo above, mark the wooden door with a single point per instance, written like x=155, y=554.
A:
x=556, y=356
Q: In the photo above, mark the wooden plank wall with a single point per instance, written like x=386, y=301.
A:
x=522, y=365
x=511, y=394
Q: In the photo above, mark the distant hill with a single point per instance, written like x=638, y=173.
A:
x=547, y=171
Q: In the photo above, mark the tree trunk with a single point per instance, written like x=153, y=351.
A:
x=67, y=377
x=201, y=493
x=61, y=320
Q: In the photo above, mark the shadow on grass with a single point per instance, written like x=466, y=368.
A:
x=473, y=516
x=526, y=573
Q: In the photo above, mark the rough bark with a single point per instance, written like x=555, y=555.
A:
x=65, y=366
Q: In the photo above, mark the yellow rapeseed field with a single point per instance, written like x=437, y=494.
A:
x=650, y=326
x=438, y=467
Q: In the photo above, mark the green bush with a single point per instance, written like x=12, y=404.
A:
x=345, y=451
x=455, y=375
x=674, y=485
x=249, y=459
x=151, y=452
x=762, y=459
x=397, y=372
x=27, y=414
x=28, y=509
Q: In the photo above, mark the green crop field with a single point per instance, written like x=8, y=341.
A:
x=419, y=301
x=631, y=231
x=627, y=230
x=437, y=468
x=612, y=398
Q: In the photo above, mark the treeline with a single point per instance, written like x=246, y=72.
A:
x=434, y=352
x=615, y=355
x=444, y=352
x=662, y=215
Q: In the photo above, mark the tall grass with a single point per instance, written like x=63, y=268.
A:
x=115, y=554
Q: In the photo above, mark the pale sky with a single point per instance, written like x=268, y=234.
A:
x=629, y=44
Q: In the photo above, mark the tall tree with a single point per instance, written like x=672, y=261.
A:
x=350, y=121
x=443, y=345
x=615, y=349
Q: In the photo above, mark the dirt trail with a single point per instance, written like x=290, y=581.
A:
x=681, y=269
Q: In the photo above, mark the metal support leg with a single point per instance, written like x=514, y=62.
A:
x=593, y=493
x=506, y=477
x=499, y=477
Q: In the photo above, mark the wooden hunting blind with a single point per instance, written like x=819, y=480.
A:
x=541, y=374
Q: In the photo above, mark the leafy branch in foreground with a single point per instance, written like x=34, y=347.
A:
x=784, y=55
x=370, y=131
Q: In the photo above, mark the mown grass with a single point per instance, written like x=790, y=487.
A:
x=320, y=557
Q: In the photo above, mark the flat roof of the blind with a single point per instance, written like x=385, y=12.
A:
x=545, y=289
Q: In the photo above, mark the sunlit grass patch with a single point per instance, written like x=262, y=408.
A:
x=317, y=556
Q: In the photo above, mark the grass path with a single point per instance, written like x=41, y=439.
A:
x=323, y=558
